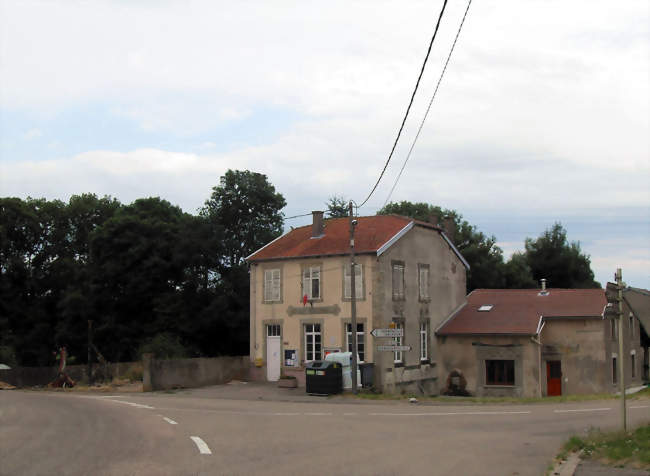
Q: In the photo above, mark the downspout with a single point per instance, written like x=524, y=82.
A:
x=538, y=341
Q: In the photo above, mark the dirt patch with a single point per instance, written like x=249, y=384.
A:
x=6, y=386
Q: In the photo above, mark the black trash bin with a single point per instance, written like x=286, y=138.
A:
x=323, y=377
x=367, y=377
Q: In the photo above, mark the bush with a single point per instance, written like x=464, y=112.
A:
x=164, y=346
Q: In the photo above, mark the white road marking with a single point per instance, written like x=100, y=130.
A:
x=136, y=405
x=317, y=414
x=583, y=410
x=200, y=444
x=449, y=413
x=169, y=420
x=642, y=406
x=350, y=414
x=285, y=414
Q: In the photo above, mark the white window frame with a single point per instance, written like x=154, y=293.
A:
x=358, y=281
x=272, y=285
x=309, y=275
x=424, y=340
x=273, y=330
x=310, y=337
x=397, y=273
x=398, y=355
x=361, y=340
x=423, y=282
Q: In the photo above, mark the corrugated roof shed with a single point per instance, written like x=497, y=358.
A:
x=518, y=311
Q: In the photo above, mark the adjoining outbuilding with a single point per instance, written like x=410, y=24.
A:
x=537, y=342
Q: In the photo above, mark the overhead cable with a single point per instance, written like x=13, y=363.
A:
x=399, y=133
x=430, y=103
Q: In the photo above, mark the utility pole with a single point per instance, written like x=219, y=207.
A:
x=621, y=355
x=353, y=303
x=614, y=310
x=90, y=346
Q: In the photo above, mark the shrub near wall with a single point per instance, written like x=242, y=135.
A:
x=41, y=376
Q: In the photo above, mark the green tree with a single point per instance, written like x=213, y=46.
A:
x=137, y=274
x=246, y=208
x=337, y=207
x=517, y=273
x=563, y=264
x=480, y=251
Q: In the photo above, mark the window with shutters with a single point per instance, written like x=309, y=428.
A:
x=423, y=281
x=398, y=280
x=424, y=340
x=361, y=341
x=272, y=285
x=313, y=344
x=358, y=282
x=398, y=356
x=311, y=282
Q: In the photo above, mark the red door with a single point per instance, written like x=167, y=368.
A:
x=553, y=378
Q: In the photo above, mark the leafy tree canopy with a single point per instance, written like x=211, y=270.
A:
x=563, y=264
x=247, y=209
x=337, y=207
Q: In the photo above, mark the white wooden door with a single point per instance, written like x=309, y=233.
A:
x=273, y=348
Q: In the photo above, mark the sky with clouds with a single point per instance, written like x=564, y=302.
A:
x=542, y=115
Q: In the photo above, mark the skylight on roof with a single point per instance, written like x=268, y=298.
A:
x=485, y=308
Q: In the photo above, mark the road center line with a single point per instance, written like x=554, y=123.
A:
x=449, y=413
x=317, y=414
x=200, y=444
x=136, y=405
x=286, y=414
x=583, y=410
x=642, y=406
x=169, y=420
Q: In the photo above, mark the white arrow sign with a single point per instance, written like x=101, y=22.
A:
x=393, y=348
x=387, y=332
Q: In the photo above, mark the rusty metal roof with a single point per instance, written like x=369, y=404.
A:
x=519, y=311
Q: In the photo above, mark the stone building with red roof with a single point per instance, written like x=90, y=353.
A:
x=537, y=342
x=408, y=275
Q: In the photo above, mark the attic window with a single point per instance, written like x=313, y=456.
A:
x=485, y=308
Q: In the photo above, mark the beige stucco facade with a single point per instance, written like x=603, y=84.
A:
x=376, y=307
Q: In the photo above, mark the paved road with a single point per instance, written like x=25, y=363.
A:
x=43, y=433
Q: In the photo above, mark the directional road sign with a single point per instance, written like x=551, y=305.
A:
x=393, y=348
x=387, y=332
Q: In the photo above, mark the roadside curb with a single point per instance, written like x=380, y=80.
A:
x=568, y=466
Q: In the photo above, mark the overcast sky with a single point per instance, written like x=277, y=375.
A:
x=542, y=115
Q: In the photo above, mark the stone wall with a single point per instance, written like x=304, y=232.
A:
x=41, y=376
x=188, y=373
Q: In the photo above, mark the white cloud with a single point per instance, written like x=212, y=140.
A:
x=32, y=134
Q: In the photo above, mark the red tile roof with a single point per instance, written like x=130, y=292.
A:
x=518, y=311
x=371, y=233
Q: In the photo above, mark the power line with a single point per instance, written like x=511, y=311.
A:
x=430, y=102
x=399, y=133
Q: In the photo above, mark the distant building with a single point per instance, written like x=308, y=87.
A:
x=409, y=275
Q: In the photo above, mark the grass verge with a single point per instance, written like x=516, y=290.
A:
x=620, y=449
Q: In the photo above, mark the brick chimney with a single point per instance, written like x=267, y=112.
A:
x=317, y=227
x=449, y=225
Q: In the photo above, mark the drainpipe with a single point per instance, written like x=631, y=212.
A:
x=538, y=341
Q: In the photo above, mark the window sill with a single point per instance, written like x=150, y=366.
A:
x=272, y=302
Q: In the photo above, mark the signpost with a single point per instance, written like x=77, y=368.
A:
x=393, y=348
x=387, y=332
